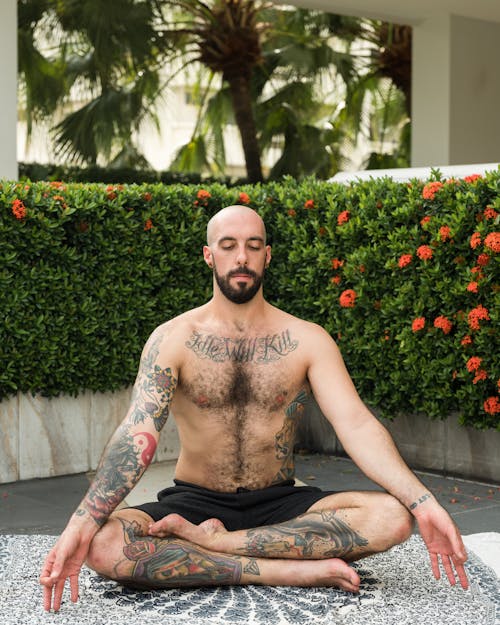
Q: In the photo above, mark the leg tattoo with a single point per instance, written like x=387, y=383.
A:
x=312, y=535
x=174, y=563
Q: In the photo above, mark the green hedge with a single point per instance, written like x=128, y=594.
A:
x=404, y=276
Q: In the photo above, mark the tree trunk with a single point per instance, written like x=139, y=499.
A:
x=245, y=120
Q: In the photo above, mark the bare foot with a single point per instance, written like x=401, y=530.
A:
x=331, y=572
x=208, y=534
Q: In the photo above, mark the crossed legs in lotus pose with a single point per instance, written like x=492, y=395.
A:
x=310, y=550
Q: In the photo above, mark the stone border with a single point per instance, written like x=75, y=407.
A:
x=441, y=446
x=44, y=437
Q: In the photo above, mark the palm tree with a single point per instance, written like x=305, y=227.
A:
x=269, y=61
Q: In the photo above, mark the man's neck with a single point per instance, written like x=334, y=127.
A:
x=239, y=317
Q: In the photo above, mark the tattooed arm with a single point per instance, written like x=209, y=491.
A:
x=372, y=448
x=126, y=457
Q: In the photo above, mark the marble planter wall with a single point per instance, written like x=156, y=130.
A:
x=45, y=437
x=441, y=446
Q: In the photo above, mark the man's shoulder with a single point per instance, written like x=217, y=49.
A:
x=176, y=330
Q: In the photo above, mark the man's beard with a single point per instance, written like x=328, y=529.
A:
x=244, y=292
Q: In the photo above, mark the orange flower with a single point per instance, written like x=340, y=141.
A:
x=430, y=190
x=480, y=375
x=292, y=212
x=483, y=260
x=467, y=340
x=343, y=217
x=490, y=213
x=444, y=233
x=321, y=231
x=348, y=298
x=148, y=224
x=474, y=363
x=492, y=240
x=147, y=196
x=443, y=324
x=309, y=204
x=492, y=405
x=404, y=260
x=475, y=240
x=203, y=195
x=424, y=252
x=476, y=315
x=472, y=178
x=111, y=195
x=472, y=287
x=336, y=279
x=418, y=324
x=244, y=198
x=18, y=209
x=336, y=263
x=425, y=220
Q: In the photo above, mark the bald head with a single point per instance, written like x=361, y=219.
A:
x=231, y=216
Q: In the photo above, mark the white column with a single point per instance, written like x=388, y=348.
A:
x=456, y=92
x=475, y=91
x=431, y=100
x=8, y=92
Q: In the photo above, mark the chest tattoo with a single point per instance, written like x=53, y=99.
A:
x=258, y=349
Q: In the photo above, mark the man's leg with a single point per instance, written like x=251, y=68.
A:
x=123, y=551
x=345, y=525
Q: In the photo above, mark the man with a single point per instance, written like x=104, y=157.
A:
x=238, y=373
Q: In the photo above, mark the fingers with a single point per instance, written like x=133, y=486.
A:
x=447, y=565
x=462, y=575
x=435, y=566
x=73, y=582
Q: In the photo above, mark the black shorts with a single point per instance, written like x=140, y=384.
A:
x=240, y=510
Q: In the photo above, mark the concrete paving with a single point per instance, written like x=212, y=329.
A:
x=43, y=506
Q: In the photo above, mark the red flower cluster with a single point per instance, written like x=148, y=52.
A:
x=492, y=240
x=490, y=213
x=348, y=298
x=473, y=363
x=424, y=252
x=335, y=279
x=430, y=190
x=443, y=323
x=467, y=340
x=309, y=204
x=475, y=240
x=492, y=405
x=336, y=263
x=480, y=375
x=483, y=260
x=18, y=209
x=343, y=217
x=473, y=287
x=148, y=224
x=292, y=212
x=244, y=198
x=418, y=324
x=444, y=233
x=472, y=178
x=404, y=260
x=425, y=220
x=203, y=195
x=476, y=315
x=147, y=197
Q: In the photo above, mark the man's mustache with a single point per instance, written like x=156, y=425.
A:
x=244, y=271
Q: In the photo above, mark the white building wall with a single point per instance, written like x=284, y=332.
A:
x=8, y=91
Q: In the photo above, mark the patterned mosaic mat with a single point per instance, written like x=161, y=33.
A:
x=397, y=588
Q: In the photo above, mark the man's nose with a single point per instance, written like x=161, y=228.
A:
x=242, y=257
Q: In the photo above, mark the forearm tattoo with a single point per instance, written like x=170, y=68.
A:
x=420, y=500
x=124, y=460
x=285, y=438
x=258, y=349
x=174, y=563
x=313, y=535
x=153, y=389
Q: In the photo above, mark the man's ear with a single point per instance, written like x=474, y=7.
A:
x=207, y=255
x=268, y=255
